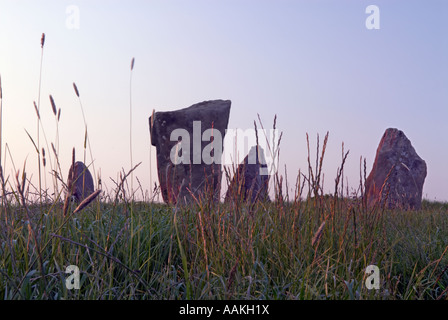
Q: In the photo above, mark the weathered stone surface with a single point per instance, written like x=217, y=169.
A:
x=399, y=168
x=183, y=167
x=251, y=179
x=80, y=182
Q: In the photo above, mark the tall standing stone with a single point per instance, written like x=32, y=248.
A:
x=398, y=173
x=251, y=180
x=189, y=145
x=79, y=182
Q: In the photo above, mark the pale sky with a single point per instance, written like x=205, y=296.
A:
x=312, y=63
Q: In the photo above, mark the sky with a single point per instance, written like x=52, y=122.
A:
x=314, y=64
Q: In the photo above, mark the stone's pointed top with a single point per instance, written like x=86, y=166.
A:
x=398, y=173
x=388, y=130
x=254, y=149
x=256, y=156
x=250, y=182
x=395, y=139
x=393, y=134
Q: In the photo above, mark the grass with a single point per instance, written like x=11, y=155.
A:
x=217, y=252
x=304, y=246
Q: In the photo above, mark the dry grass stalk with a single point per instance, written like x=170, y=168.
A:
x=42, y=42
x=152, y=192
x=130, y=126
x=318, y=234
x=86, y=137
x=65, y=208
x=54, y=149
x=340, y=173
x=69, y=186
x=232, y=274
x=87, y=201
x=35, y=146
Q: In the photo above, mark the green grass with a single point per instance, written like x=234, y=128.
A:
x=239, y=253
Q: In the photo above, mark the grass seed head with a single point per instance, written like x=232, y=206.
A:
x=37, y=110
x=43, y=157
x=53, y=105
x=318, y=234
x=86, y=201
x=76, y=89
x=54, y=149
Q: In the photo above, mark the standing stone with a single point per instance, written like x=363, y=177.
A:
x=251, y=180
x=189, y=145
x=80, y=182
x=399, y=168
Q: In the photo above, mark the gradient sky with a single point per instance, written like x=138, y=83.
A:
x=312, y=63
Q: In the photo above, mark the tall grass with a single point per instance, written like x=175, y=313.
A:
x=130, y=125
x=315, y=247
x=42, y=44
x=130, y=150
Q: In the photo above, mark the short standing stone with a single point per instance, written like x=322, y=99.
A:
x=398, y=173
x=251, y=180
x=189, y=149
x=80, y=182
